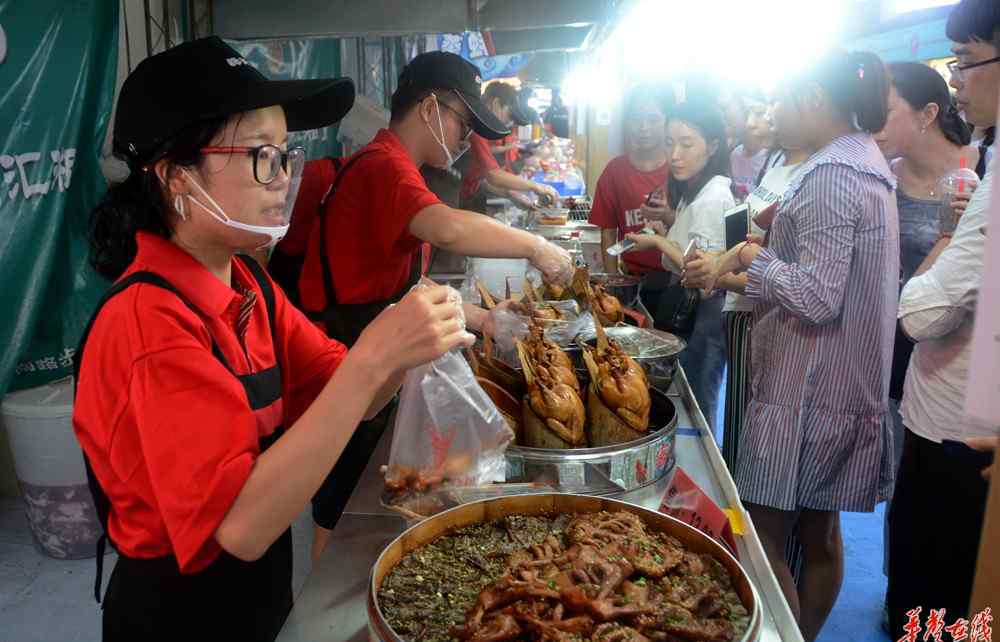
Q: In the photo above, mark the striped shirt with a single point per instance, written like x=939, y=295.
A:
x=824, y=324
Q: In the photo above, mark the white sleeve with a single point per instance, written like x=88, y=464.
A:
x=708, y=225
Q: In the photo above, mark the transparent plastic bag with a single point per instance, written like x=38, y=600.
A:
x=508, y=328
x=447, y=430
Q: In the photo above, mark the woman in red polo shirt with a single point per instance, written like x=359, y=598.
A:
x=195, y=363
x=631, y=190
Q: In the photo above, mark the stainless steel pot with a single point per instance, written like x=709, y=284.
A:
x=622, y=286
x=606, y=470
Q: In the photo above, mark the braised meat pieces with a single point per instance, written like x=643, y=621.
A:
x=601, y=577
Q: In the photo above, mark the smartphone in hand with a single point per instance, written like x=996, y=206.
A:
x=689, y=253
x=620, y=247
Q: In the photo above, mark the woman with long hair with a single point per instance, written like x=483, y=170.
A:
x=816, y=439
x=698, y=192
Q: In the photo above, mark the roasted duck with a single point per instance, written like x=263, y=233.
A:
x=554, y=406
x=619, y=382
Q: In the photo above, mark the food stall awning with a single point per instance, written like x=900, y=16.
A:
x=514, y=25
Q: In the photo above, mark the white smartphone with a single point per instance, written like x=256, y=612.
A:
x=689, y=252
x=620, y=247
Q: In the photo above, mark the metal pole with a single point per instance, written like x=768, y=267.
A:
x=386, y=66
x=166, y=24
x=149, y=36
x=362, y=65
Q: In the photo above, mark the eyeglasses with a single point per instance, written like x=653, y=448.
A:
x=466, y=124
x=957, y=70
x=268, y=160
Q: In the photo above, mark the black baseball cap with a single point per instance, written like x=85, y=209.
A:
x=207, y=78
x=440, y=70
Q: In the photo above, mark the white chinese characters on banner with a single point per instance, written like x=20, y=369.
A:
x=64, y=360
x=18, y=174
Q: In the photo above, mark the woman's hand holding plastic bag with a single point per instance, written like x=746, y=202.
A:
x=447, y=430
x=425, y=324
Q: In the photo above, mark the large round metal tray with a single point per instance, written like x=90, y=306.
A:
x=606, y=470
x=549, y=503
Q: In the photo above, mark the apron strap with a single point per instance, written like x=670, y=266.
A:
x=324, y=259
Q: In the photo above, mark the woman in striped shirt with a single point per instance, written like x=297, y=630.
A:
x=816, y=439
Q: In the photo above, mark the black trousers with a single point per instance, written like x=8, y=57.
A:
x=653, y=285
x=935, y=524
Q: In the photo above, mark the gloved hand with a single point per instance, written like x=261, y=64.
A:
x=553, y=262
x=547, y=195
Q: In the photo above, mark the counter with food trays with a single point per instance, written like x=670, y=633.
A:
x=600, y=566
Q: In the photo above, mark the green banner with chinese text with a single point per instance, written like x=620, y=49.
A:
x=58, y=64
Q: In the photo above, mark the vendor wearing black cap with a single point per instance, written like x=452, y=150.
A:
x=195, y=363
x=365, y=251
x=483, y=175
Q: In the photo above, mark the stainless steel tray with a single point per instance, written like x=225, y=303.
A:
x=607, y=470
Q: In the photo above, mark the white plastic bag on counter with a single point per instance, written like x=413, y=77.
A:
x=447, y=430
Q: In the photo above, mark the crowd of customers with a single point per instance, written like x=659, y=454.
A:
x=843, y=322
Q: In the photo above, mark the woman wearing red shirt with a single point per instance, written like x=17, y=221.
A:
x=195, y=363
x=631, y=189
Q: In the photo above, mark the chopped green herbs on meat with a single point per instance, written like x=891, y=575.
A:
x=575, y=577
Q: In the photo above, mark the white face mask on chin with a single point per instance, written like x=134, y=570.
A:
x=463, y=146
x=274, y=232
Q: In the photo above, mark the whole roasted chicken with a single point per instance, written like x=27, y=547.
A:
x=607, y=307
x=558, y=405
x=545, y=353
x=620, y=382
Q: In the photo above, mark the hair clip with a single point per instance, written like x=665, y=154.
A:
x=861, y=71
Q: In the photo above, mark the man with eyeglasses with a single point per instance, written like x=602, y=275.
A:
x=932, y=562
x=364, y=251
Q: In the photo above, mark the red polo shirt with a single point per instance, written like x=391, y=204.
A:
x=367, y=230
x=317, y=177
x=166, y=427
x=481, y=162
x=621, y=191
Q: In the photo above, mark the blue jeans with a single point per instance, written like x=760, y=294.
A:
x=704, y=360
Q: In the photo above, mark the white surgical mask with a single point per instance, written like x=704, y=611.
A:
x=463, y=146
x=274, y=232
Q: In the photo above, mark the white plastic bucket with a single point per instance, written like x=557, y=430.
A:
x=50, y=471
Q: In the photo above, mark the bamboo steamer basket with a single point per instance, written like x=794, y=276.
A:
x=553, y=503
x=604, y=426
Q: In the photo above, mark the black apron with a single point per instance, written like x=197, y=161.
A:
x=345, y=322
x=286, y=269
x=149, y=599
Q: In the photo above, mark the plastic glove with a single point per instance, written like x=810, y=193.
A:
x=552, y=261
x=547, y=195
